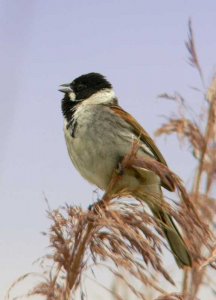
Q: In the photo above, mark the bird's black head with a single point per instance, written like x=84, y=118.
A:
x=81, y=89
x=84, y=86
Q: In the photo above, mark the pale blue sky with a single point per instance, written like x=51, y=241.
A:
x=138, y=45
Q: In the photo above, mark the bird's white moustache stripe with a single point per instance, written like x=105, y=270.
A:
x=72, y=96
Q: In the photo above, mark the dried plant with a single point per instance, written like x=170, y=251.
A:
x=120, y=235
x=200, y=133
x=193, y=58
x=171, y=297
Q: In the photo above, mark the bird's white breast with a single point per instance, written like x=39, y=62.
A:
x=91, y=148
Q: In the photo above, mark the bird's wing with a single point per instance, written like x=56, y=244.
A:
x=139, y=131
x=148, y=142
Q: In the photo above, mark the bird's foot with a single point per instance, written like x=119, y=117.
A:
x=120, y=169
x=98, y=205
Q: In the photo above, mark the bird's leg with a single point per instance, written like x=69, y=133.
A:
x=123, y=163
x=109, y=195
x=120, y=168
x=118, y=173
x=98, y=205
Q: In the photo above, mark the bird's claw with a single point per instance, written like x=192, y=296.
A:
x=95, y=206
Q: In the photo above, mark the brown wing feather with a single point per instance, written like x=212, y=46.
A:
x=144, y=136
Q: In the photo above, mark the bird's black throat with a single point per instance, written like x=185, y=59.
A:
x=68, y=107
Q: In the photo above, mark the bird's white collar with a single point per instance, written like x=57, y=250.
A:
x=104, y=96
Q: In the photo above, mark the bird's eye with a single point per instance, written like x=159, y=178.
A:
x=81, y=87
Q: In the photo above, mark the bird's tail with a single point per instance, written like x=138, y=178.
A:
x=151, y=193
x=174, y=238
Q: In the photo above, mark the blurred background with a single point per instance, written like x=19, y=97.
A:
x=138, y=45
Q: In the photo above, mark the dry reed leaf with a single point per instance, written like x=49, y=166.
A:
x=202, y=139
x=172, y=296
x=176, y=97
x=190, y=45
x=210, y=260
x=211, y=93
x=185, y=129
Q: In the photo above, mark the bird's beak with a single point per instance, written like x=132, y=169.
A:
x=65, y=88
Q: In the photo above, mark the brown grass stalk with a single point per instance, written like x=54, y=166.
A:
x=119, y=232
x=193, y=57
x=202, y=140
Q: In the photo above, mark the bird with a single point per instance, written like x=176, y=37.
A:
x=99, y=133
